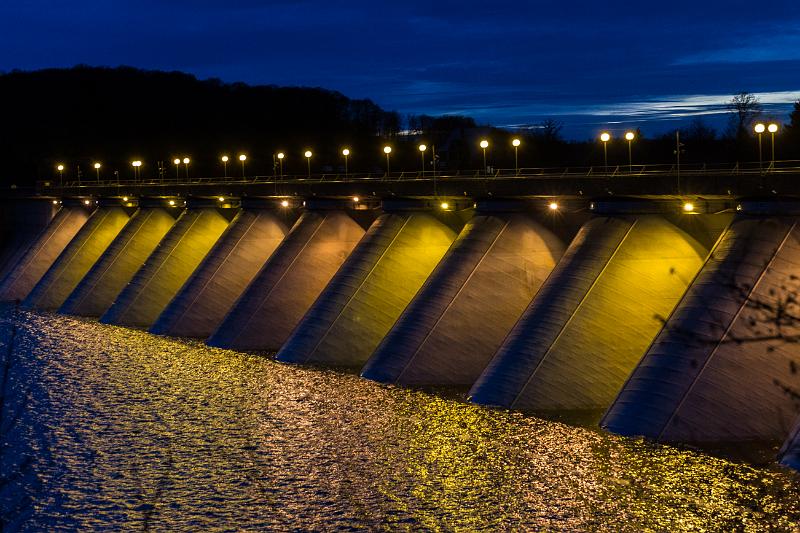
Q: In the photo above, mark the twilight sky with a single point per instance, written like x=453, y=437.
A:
x=590, y=65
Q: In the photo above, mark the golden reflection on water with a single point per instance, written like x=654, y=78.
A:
x=142, y=431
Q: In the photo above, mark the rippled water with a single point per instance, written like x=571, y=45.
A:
x=132, y=431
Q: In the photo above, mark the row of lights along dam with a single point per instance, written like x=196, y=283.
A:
x=484, y=144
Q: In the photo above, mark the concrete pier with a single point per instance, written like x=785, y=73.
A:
x=80, y=255
x=171, y=264
x=293, y=277
x=455, y=324
x=724, y=366
x=123, y=257
x=595, y=316
x=202, y=303
x=21, y=222
x=371, y=289
x=45, y=249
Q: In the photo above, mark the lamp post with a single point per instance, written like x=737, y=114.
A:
x=308, y=155
x=605, y=137
x=242, y=159
x=97, y=169
x=136, y=166
x=387, y=150
x=630, y=136
x=515, y=143
x=177, y=162
x=346, y=154
x=422, y=149
x=281, y=155
x=225, y=160
x=773, y=129
x=60, y=169
x=485, y=145
x=759, y=129
x=186, y=162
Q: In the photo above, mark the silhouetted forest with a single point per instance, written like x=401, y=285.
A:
x=84, y=115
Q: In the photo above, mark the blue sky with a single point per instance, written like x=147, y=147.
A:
x=591, y=65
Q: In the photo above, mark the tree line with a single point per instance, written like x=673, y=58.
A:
x=83, y=115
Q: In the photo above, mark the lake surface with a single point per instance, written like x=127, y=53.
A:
x=129, y=431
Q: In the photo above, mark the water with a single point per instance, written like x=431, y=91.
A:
x=129, y=431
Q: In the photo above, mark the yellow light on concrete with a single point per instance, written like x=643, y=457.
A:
x=176, y=161
x=515, y=143
x=630, y=136
x=308, y=153
x=422, y=147
x=688, y=207
x=225, y=159
x=553, y=206
x=387, y=149
x=97, y=165
x=172, y=202
x=242, y=157
x=281, y=155
x=772, y=128
x=445, y=205
x=285, y=203
x=345, y=152
x=186, y=160
x=60, y=168
x=605, y=136
x=484, y=144
x=124, y=198
x=221, y=198
x=760, y=128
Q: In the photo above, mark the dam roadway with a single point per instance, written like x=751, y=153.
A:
x=657, y=304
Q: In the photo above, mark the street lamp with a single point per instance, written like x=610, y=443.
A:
x=308, y=155
x=345, y=153
x=177, y=162
x=60, y=169
x=387, y=150
x=760, y=128
x=605, y=137
x=773, y=129
x=97, y=169
x=281, y=155
x=186, y=162
x=136, y=166
x=422, y=149
x=515, y=143
x=485, y=145
x=225, y=160
x=630, y=136
x=242, y=158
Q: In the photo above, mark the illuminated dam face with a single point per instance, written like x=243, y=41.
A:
x=659, y=317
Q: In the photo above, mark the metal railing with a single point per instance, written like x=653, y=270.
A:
x=598, y=172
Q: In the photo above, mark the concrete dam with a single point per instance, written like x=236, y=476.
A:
x=661, y=316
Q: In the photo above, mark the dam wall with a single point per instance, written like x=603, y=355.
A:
x=204, y=300
x=455, y=324
x=288, y=283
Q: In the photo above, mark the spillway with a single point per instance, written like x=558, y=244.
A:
x=293, y=277
x=80, y=255
x=170, y=265
x=21, y=222
x=452, y=328
x=724, y=366
x=595, y=316
x=123, y=258
x=202, y=303
x=375, y=284
x=45, y=249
